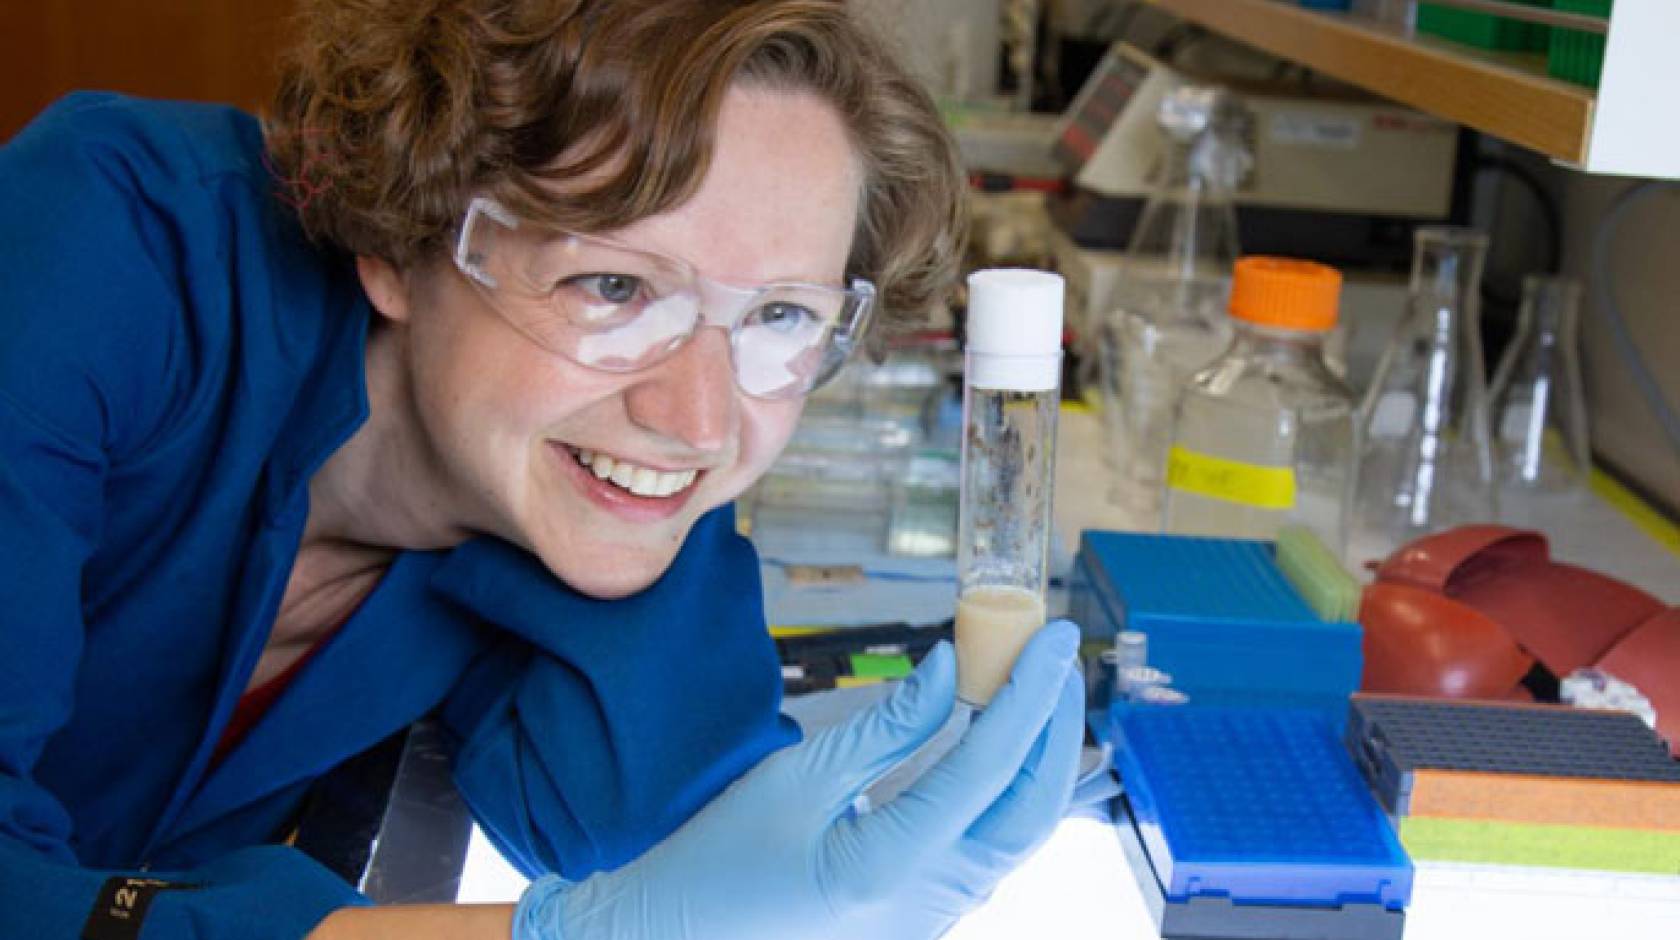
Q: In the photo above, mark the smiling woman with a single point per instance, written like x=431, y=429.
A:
x=430, y=394
x=507, y=383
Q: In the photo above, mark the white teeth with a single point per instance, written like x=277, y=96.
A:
x=643, y=481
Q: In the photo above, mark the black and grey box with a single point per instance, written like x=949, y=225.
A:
x=1391, y=736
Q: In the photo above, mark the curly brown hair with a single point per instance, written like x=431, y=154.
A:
x=392, y=114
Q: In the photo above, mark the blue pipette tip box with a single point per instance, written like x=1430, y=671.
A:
x=1206, y=917
x=1221, y=619
x=1256, y=806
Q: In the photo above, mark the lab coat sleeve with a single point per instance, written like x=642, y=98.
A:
x=599, y=727
x=85, y=299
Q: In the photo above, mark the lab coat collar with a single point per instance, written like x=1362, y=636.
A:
x=393, y=661
x=332, y=403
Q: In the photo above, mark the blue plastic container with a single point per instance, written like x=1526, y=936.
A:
x=1258, y=806
x=1220, y=617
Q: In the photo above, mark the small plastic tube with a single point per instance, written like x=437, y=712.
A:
x=1131, y=648
x=1011, y=393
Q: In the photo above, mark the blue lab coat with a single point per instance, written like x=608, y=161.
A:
x=176, y=361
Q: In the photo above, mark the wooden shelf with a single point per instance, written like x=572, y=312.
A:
x=1507, y=96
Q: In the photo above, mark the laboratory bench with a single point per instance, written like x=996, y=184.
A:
x=1081, y=883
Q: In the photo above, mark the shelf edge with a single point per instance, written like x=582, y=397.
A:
x=1552, y=117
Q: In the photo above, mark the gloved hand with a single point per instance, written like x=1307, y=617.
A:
x=780, y=854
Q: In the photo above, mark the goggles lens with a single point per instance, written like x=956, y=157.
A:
x=620, y=309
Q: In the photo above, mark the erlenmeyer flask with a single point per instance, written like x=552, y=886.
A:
x=1427, y=459
x=1168, y=317
x=1539, y=408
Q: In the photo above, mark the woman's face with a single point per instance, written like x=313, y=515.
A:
x=509, y=422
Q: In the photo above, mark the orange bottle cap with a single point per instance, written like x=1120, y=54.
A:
x=1286, y=293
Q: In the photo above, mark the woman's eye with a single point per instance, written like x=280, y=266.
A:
x=612, y=288
x=786, y=317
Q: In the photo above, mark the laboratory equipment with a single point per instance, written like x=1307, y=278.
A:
x=1011, y=388
x=1214, y=918
x=817, y=659
x=1577, y=55
x=1648, y=658
x=1426, y=459
x=1317, y=152
x=1264, y=436
x=1220, y=617
x=1317, y=574
x=1571, y=823
x=1564, y=615
x=1596, y=688
x=1484, y=30
x=1392, y=737
x=1470, y=611
x=1418, y=642
x=1167, y=312
x=923, y=522
x=838, y=473
x=1400, y=14
x=1253, y=818
x=1539, y=409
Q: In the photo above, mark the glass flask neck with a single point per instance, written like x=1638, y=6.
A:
x=1189, y=220
x=1550, y=311
x=1447, y=274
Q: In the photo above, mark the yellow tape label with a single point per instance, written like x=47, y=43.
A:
x=1230, y=480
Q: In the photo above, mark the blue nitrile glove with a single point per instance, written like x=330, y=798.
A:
x=780, y=854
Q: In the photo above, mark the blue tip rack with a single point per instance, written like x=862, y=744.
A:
x=1256, y=806
x=1221, y=618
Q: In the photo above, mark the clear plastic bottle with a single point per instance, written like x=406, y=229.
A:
x=1011, y=393
x=1168, y=318
x=1264, y=436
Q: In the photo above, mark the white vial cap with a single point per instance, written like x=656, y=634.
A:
x=1015, y=329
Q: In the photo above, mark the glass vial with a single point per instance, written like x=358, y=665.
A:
x=1011, y=392
x=1539, y=408
x=1427, y=461
x=1263, y=437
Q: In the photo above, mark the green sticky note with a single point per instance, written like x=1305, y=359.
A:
x=880, y=665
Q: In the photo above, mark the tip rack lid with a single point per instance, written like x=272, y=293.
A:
x=1205, y=578
x=1259, y=805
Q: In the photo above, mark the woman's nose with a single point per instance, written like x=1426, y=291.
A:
x=690, y=397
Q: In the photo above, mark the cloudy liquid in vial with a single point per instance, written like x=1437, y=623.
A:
x=993, y=624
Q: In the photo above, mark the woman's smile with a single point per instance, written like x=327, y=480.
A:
x=634, y=492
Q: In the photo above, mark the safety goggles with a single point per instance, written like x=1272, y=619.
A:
x=619, y=309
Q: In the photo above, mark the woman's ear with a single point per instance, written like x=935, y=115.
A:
x=386, y=287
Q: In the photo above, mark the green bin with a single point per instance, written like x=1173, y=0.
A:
x=1576, y=56
x=1484, y=30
